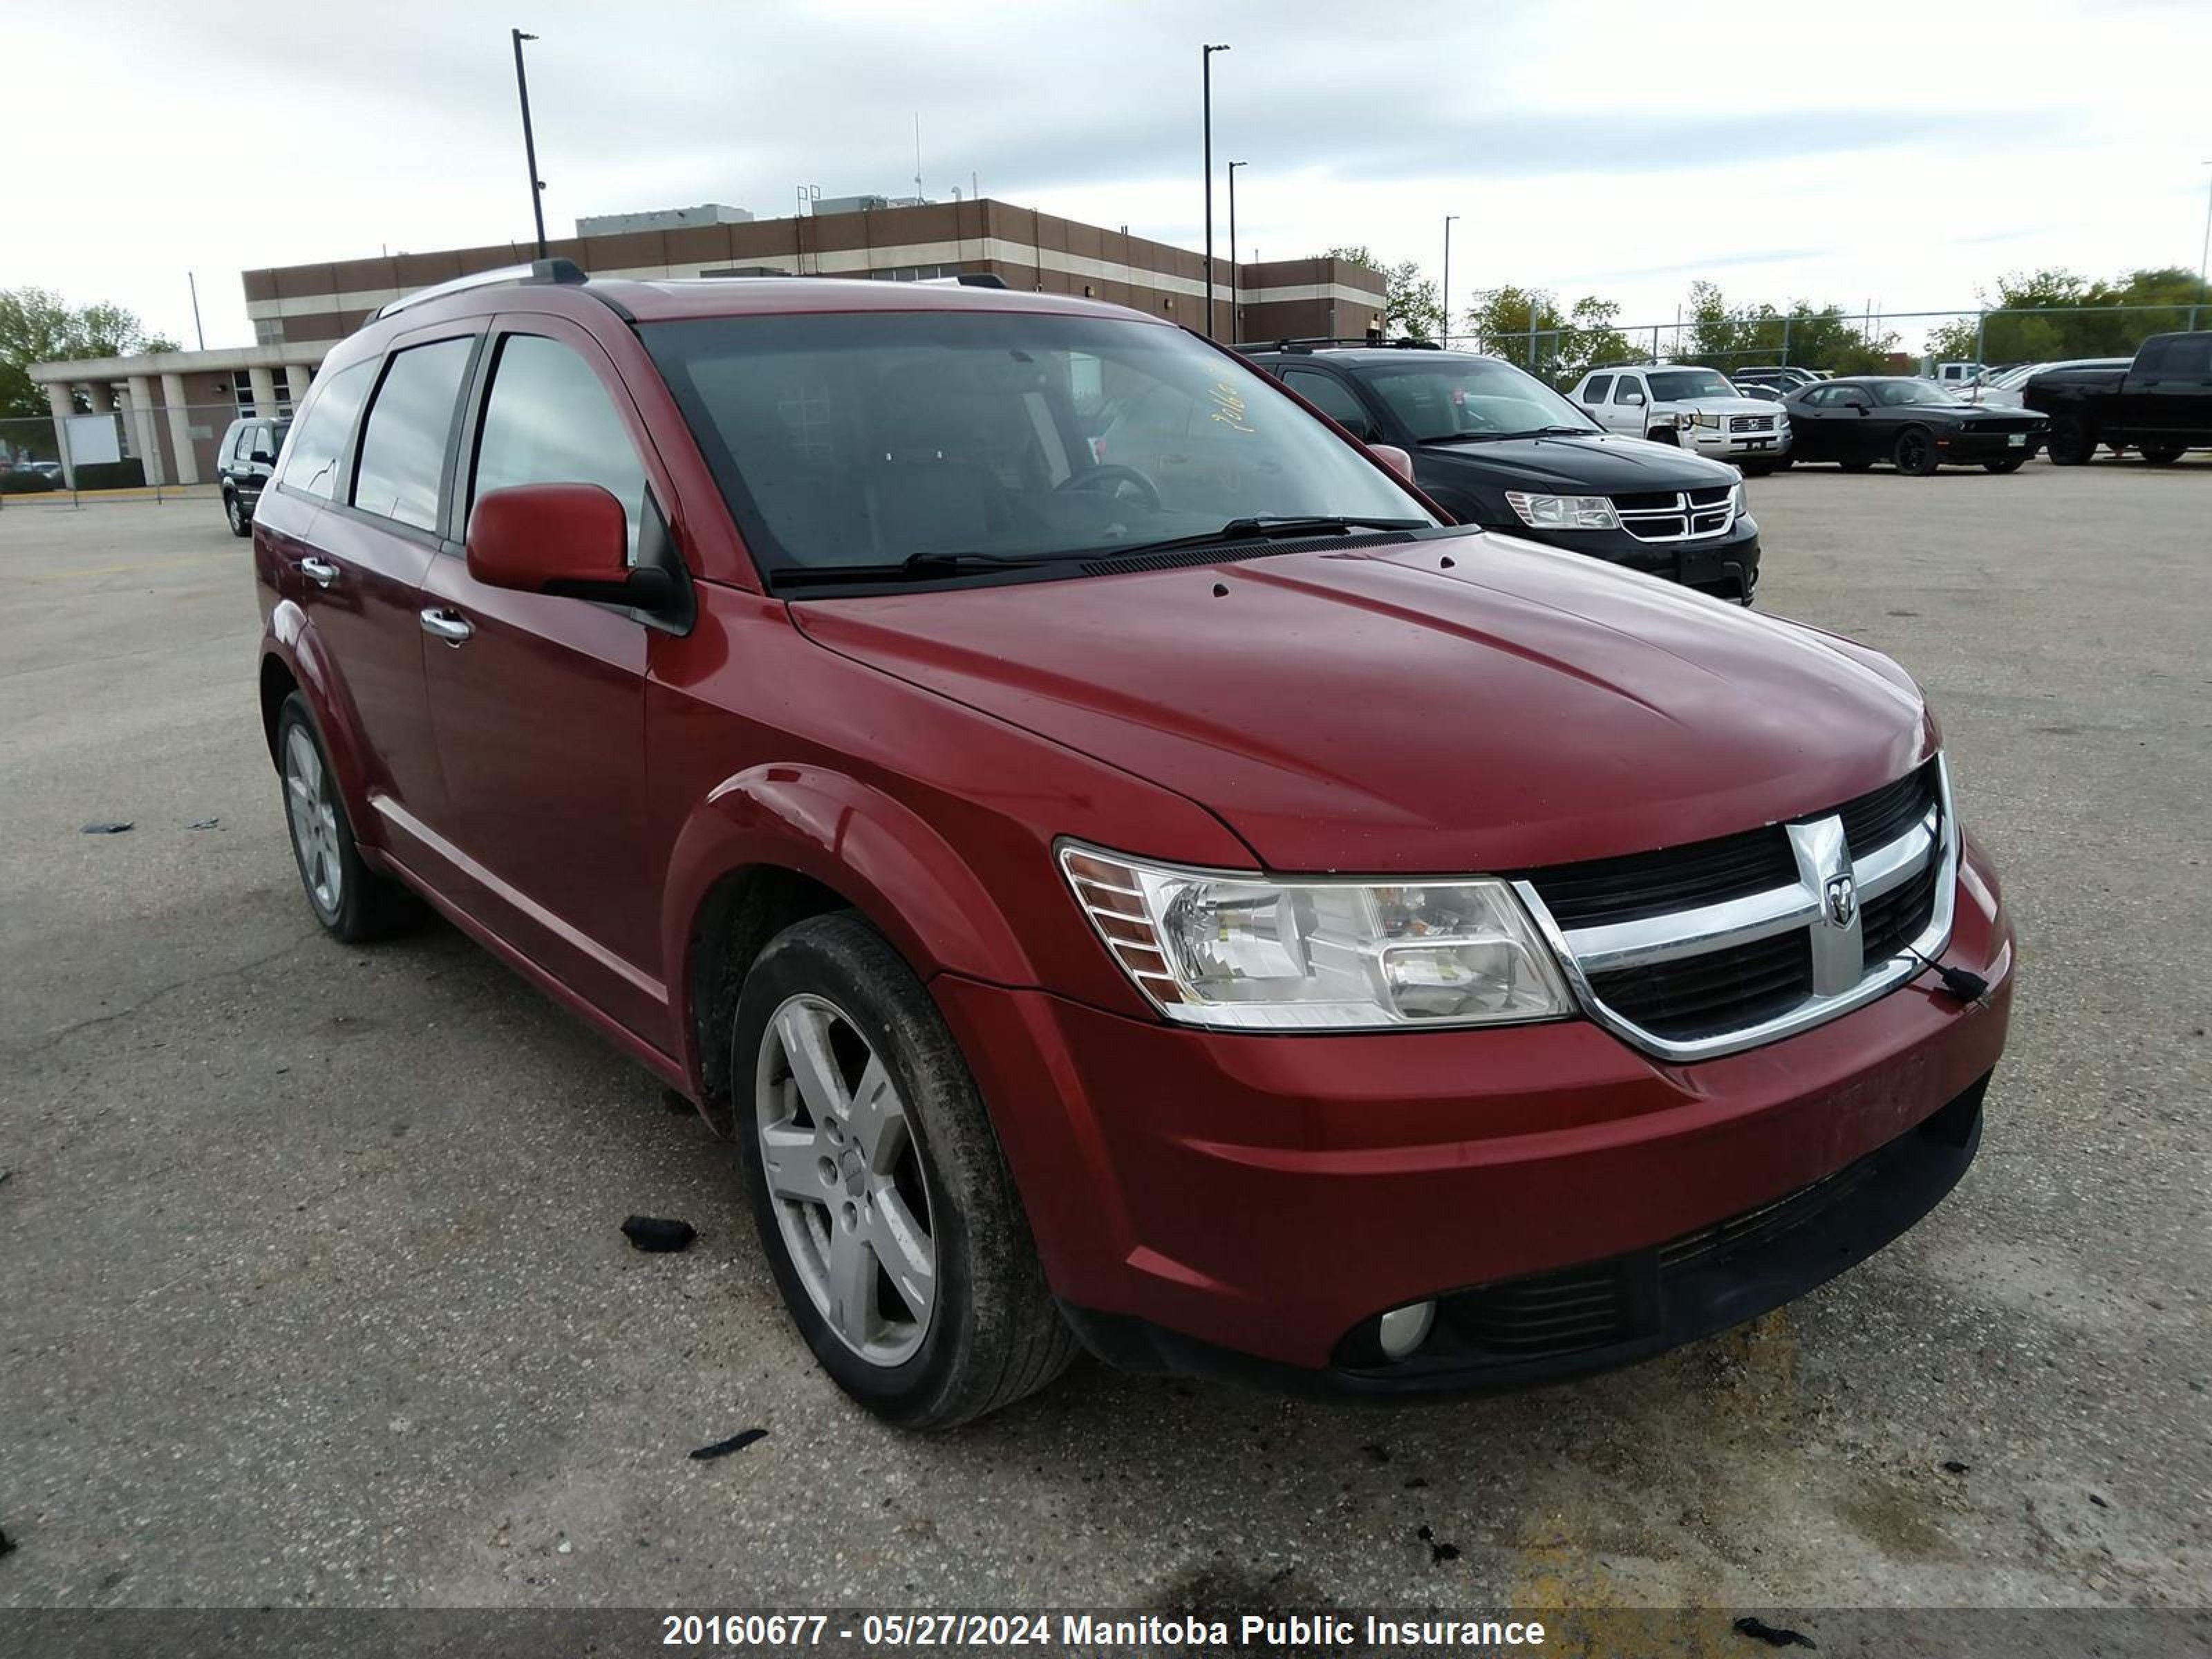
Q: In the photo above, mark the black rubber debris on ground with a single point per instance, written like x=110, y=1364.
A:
x=676, y=1102
x=1953, y=1466
x=205, y=824
x=2099, y=1502
x=7, y=1545
x=737, y=1441
x=1438, y=1553
x=1377, y=1454
x=106, y=827
x=656, y=1234
x=1773, y=1634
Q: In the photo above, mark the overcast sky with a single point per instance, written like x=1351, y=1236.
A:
x=1835, y=154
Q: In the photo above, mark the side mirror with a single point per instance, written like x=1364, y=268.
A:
x=1863, y=408
x=1394, y=458
x=571, y=539
x=262, y=458
x=1634, y=399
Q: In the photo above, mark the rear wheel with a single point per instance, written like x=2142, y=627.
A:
x=352, y=901
x=1915, y=452
x=2010, y=464
x=2162, y=454
x=235, y=511
x=887, y=1211
x=2073, y=441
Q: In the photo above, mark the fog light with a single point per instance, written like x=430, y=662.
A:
x=1404, y=1329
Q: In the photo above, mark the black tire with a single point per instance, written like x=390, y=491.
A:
x=1784, y=463
x=361, y=905
x=2010, y=464
x=1665, y=434
x=235, y=510
x=2073, y=441
x=994, y=1334
x=2162, y=454
x=1915, y=452
x=1757, y=468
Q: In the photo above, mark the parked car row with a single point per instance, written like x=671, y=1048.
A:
x=1140, y=879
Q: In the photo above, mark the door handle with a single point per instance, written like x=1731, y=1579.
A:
x=321, y=572
x=448, y=626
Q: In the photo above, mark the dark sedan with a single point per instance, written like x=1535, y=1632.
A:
x=1915, y=425
x=1497, y=447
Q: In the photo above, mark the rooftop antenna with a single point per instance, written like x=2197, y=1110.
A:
x=917, y=155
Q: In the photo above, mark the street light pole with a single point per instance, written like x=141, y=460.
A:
x=2204, y=260
x=1205, y=94
x=1233, y=267
x=530, y=141
x=1446, y=342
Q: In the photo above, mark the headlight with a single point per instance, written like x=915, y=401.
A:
x=1220, y=948
x=1563, y=512
x=1742, y=499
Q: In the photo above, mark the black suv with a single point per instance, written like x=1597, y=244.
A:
x=247, y=457
x=1496, y=447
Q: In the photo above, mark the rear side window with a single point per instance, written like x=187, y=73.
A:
x=550, y=420
x=313, y=464
x=1595, y=390
x=403, y=447
x=1333, y=397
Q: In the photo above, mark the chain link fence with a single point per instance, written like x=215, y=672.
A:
x=158, y=453
x=1870, y=341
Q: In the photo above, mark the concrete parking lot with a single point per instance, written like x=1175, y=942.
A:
x=311, y=1289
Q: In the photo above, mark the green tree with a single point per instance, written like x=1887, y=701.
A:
x=2040, y=316
x=1727, y=337
x=1410, y=305
x=37, y=326
x=1526, y=326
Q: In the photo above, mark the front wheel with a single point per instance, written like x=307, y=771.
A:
x=2010, y=464
x=1757, y=468
x=2073, y=442
x=2162, y=454
x=888, y=1213
x=235, y=511
x=1915, y=452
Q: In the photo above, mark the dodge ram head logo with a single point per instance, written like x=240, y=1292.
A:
x=1843, y=900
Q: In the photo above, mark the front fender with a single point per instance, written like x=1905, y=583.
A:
x=288, y=639
x=873, y=851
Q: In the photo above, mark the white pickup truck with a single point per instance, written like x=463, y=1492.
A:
x=1694, y=408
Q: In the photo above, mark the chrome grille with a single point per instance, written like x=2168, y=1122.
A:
x=1750, y=423
x=1677, y=515
x=1705, y=950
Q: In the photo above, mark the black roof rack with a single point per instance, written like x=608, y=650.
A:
x=565, y=271
x=1321, y=342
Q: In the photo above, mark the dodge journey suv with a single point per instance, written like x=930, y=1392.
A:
x=1210, y=912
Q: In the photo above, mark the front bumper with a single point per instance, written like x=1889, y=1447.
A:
x=1726, y=567
x=1270, y=1195
x=1725, y=446
x=1964, y=449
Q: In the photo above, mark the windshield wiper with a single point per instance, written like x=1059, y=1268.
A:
x=916, y=567
x=1556, y=432
x=1263, y=526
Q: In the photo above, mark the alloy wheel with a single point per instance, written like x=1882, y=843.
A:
x=845, y=1174
x=314, y=818
x=1912, y=452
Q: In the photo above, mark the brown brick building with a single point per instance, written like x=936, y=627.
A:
x=309, y=307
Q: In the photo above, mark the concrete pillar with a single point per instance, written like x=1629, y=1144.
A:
x=63, y=405
x=181, y=429
x=145, y=436
x=296, y=382
x=265, y=393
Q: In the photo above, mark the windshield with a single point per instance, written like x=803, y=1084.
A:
x=867, y=439
x=1445, y=397
x=1680, y=385
x=1893, y=393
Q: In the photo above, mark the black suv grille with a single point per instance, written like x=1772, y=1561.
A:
x=1720, y=991
x=1876, y=819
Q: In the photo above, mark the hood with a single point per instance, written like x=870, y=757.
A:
x=1372, y=711
x=1722, y=405
x=1603, y=465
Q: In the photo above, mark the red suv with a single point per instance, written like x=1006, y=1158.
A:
x=1200, y=905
